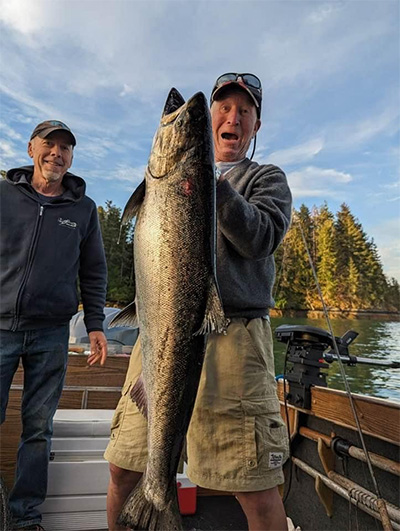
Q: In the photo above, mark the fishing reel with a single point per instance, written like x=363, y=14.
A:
x=306, y=351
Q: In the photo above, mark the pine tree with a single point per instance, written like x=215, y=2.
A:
x=362, y=281
x=392, y=295
x=294, y=280
x=326, y=253
x=118, y=246
x=348, y=265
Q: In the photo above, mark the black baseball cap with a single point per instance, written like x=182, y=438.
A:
x=246, y=81
x=45, y=128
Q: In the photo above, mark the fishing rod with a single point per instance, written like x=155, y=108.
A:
x=380, y=501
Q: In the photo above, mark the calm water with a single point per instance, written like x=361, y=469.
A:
x=377, y=339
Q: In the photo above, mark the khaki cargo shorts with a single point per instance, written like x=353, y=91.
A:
x=237, y=440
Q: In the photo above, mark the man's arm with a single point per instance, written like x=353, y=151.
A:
x=93, y=286
x=255, y=225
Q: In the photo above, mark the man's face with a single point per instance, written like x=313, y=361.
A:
x=234, y=123
x=52, y=156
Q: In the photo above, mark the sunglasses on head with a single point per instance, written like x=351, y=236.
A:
x=250, y=80
x=56, y=123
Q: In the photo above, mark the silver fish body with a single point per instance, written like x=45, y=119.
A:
x=177, y=301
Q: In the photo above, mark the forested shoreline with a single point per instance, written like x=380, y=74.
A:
x=346, y=260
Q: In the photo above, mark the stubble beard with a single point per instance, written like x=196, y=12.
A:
x=51, y=176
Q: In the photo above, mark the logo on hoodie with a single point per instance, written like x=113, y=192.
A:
x=67, y=223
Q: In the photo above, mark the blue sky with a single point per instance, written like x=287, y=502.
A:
x=330, y=73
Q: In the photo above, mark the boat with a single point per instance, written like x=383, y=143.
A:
x=327, y=479
x=343, y=472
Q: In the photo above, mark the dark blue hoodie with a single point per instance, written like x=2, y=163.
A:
x=45, y=247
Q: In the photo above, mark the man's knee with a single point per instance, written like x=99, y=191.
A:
x=259, y=501
x=120, y=477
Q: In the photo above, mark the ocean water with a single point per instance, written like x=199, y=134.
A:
x=377, y=340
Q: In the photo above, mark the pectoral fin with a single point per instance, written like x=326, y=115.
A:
x=126, y=317
x=139, y=396
x=214, y=318
x=135, y=201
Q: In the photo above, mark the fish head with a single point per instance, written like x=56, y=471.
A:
x=184, y=132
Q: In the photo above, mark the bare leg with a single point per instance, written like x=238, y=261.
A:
x=263, y=509
x=120, y=486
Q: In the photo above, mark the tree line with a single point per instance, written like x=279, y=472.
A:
x=346, y=261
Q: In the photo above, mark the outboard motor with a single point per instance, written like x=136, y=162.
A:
x=306, y=346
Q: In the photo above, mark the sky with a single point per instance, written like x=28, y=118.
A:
x=331, y=90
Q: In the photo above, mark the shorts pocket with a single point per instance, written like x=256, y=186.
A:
x=251, y=327
x=126, y=388
x=266, y=445
x=120, y=411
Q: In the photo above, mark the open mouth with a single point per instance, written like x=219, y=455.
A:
x=229, y=136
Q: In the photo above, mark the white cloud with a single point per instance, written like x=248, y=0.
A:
x=126, y=90
x=128, y=174
x=318, y=182
x=359, y=132
x=10, y=156
x=24, y=16
x=9, y=131
x=323, y=12
x=311, y=47
x=7, y=150
x=338, y=137
x=391, y=186
x=36, y=107
x=296, y=154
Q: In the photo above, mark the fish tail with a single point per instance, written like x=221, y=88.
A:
x=141, y=513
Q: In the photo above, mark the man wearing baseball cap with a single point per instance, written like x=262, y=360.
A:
x=237, y=441
x=50, y=239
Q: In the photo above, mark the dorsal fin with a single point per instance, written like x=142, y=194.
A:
x=174, y=101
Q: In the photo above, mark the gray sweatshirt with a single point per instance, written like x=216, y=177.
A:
x=254, y=206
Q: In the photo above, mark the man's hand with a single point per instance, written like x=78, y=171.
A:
x=98, y=348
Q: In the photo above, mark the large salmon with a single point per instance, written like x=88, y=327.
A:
x=177, y=301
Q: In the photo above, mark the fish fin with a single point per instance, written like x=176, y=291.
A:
x=134, y=203
x=139, y=396
x=140, y=513
x=126, y=317
x=174, y=101
x=214, y=318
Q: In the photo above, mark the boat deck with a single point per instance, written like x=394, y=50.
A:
x=312, y=503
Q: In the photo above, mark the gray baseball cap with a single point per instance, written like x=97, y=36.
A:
x=45, y=128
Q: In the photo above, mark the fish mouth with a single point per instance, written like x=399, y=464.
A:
x=176, y=108
x=161, y=165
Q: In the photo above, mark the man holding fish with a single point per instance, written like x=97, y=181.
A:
x=236, y=440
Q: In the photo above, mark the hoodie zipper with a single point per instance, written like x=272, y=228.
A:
x=31, y=255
